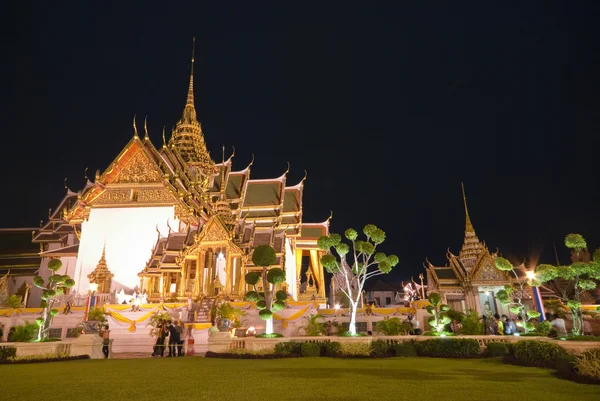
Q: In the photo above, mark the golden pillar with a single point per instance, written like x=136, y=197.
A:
x=208, y=285
x=298, y=271
x=228, y=271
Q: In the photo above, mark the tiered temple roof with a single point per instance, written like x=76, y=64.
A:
x=473, y=265
x=18, y=255
x=181, y=173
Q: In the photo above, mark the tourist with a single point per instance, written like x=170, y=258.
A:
x=161, y=334
x=455, y=326
x=509, y=326
x=487, y=327
x=414, y=323
x=105, y=334
x=173, y=339
x=499, y=328
x=558, y=325
x=179, y=329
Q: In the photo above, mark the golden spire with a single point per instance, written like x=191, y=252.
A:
x=190, y=96
x=468, y=225
x=163, y=136
x=222, y=189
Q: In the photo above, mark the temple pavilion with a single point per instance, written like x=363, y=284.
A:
x=172, y=222
x=470, y=280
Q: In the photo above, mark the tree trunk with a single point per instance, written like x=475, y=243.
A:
x=268, y=301
x=352, y=328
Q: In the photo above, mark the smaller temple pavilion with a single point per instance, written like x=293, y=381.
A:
x=469, y=280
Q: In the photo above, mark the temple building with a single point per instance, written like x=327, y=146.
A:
x=470, y=280
x=172, y=222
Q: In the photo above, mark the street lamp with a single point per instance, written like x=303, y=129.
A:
x=530, y=274
x=536, y=295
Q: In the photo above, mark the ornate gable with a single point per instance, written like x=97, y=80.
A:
x=486, y=271
x=139, y=170
x=213, y=231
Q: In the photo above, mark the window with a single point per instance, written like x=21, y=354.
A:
x=388, y=300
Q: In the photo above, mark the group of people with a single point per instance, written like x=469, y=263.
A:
x=169, y=333
x=500, y=325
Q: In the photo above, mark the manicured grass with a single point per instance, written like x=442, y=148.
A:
x=286, y=379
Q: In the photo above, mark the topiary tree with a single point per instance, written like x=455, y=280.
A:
x=363, y=258
x=50, y=291
x=266, y=301
x=439, y=320
x=580, y=276
x=514, y=298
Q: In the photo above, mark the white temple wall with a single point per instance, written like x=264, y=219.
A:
x=129, y=234
x=290, y=268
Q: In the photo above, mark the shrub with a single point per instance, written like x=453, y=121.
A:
x=496, y=349
x=449, y=348
x=333, y=349
x=583, y=338
x=471, y=323
x=41, y=359
x=380, y=348
x=588, y=364
x=25, y=333
x=356, y=349
x=8, y=352
x=544, y=328
x=289, y=348
x=310, y=350
x=536, y=353
x=405, y=350
x=392, y=326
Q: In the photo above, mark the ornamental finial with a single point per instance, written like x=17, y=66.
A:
x=163, y=136
x=135, y=133
x=146, y=136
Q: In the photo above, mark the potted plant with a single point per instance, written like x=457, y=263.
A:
x=226, y=314
x=95, y=320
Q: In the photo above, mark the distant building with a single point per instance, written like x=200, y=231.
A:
x=19, y=260
x=382, y=294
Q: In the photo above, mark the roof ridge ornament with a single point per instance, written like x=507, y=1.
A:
x=135, y=133
x=146, y=136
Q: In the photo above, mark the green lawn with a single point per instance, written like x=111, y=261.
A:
x=312, y=379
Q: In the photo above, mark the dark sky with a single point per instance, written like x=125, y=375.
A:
x=388, y=108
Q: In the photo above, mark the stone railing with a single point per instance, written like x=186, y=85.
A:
x=86, y=344
x=223, y=342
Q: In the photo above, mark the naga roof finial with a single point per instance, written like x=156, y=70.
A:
x=468, y=224
x=146, y=136
x=163, y=136
x=135, y=133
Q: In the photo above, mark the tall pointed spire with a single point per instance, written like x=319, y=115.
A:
x=468, y=224
x=190, y=96
x=187, y=137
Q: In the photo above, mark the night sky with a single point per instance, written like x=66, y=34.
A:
x=388, y=108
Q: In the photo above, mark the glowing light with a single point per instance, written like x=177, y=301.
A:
x=173, y=287
x=93, y=287
x=251, y=331
x=129, y=234
x=442, y=335
x=530, y=274
x=336, y=307
x=221, y=256
x=517, y=334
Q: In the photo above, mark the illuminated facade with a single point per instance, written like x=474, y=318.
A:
x=173, y=223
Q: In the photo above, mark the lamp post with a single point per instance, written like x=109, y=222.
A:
x=536, y=295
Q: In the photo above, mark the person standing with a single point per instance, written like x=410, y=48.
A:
x=173, y=339
x=558, y=324
x=179, y=329
x=159, y=346
x=105, y=333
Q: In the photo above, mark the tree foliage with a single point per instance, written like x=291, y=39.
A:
x=267, y=300
x=51, y=291
x=439, y=312
x=580, y=276
x=355, y=263
x=513, y=298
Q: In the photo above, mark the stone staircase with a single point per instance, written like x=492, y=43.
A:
x=204, y=308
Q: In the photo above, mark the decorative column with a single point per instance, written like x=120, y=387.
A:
x=228, y=273
x=298, y=271
x=210, y=262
